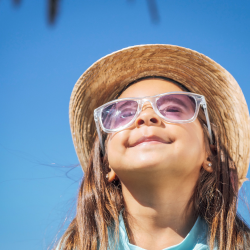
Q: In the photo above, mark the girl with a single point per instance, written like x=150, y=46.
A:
x=162, y=134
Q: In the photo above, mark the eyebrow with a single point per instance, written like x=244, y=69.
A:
x=125, y=103
x=172, y=98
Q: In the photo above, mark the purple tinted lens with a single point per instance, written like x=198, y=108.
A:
x=118, y=114
x=177, y=107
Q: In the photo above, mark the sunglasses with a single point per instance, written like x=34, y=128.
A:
x=173, y=107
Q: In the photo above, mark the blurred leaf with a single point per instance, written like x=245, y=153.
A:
x=153, y=10
x=53, y=10
x=16, y=2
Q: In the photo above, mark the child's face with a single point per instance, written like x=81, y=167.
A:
x=178, y=153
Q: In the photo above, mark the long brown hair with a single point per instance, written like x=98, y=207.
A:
x=214, y=199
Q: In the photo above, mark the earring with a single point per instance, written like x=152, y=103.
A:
x=107, y=176
x=210, y=164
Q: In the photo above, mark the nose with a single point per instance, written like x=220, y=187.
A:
x=147, y=117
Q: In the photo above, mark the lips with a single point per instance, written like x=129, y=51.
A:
x=149, y=139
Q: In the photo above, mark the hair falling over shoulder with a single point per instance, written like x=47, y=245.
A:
x=216, y=195
x=214, y=199
x=98, y=207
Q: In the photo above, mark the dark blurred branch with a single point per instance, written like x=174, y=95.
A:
x=53, y=7
x=53, y=10
x=153, y=10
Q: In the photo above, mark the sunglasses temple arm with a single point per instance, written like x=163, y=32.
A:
x=204, y=105
x=99, y=135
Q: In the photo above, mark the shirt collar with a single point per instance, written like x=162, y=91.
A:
x=195, y=239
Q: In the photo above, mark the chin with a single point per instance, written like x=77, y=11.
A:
x=147, y=163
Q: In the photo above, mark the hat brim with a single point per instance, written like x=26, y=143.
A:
x=102, y=81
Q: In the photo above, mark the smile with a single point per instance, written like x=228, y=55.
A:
x=149, y=140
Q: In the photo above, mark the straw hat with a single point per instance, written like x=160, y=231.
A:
x=102, y=81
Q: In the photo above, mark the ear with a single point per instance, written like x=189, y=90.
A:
x=207, y=165
x=111, y=175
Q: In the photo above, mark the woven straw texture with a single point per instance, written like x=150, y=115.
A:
x=107, y=77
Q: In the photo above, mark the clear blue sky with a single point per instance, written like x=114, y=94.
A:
x=39, y=65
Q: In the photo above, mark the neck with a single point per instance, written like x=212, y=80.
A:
x=155, y=217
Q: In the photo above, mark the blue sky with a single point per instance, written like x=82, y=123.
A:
x=39, y=65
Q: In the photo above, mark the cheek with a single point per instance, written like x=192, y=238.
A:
x=195, y=146
x=116, y=148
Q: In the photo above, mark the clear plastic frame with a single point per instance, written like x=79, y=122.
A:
x=198, y=100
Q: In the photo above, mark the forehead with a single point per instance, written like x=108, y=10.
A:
x=149, y=87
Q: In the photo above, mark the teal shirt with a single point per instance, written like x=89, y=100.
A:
x=195, y=240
